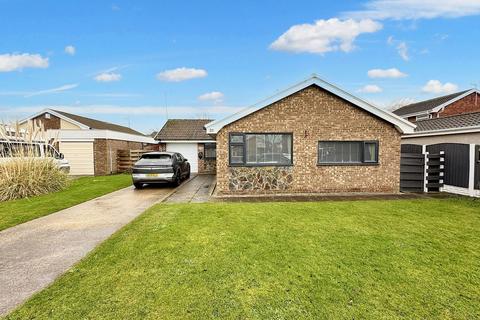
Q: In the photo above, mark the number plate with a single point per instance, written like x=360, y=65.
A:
x=152, y=175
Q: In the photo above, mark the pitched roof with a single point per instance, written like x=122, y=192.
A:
x=457, y=121
x=402, y=125
x=428, y=105
x=184, y=129
x=97, y=124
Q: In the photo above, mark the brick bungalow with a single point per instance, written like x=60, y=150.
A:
x=453, y=104
x=89, y=145
x=311, y=137
x=188, y=137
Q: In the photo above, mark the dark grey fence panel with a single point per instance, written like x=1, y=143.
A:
x=456, y=162
x=411, y=148
x=477, y=167
x=412, y=166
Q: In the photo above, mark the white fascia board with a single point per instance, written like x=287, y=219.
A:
x=187, y=141
x=61, y=116
x=401, y=124
x=408, y=115
x=443, y=105
x=442, y=132
x=77, y=135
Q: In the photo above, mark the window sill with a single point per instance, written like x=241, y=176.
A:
x=260, y=165
x=360, y=164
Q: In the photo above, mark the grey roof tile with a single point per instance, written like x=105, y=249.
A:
x=456, y=121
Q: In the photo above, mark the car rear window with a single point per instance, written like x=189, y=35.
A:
x=164, y=158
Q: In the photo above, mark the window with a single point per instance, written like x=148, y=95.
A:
x=425, y=116
x=261, y=149
x=347, y=152
x=210, y=150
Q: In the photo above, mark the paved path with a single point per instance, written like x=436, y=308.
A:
x=34, y=253
x=196, y=190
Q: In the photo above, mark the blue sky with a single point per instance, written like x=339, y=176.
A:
x=129, y=62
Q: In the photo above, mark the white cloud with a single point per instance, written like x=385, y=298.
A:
x=54, y=90
x=70, y=50
x=108, y=77
x=402, y=50
x=401, y=47
x=386, y=73
x=436, y=87
x=370, y=88
x=12, y=62
x=181, y=74
x=214, y=96
x=416, y=9
x=324, y=36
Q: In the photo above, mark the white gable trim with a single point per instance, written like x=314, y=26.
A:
x=61, y=116
x=442, y=106
x=402, y=125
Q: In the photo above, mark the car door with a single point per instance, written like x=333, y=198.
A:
x=182, y=163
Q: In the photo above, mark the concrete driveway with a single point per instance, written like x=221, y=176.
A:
x=34, y=253
x=197, y=190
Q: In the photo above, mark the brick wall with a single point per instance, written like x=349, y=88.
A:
x=47, y=124
x=470, y=103
x=206, y=166
x=105, y=153
x=312, y=115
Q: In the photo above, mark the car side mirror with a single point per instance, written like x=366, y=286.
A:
x=185, y=159
x=62, y=156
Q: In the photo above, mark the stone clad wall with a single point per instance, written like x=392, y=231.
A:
x=311, y=115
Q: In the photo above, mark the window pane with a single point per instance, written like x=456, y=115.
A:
x=370, y=152
x=268, y=148
x=210, y=150
x=236, y=138
x=236, y=154
x=340, y=152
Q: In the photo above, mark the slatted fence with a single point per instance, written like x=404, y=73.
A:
x=127, y=158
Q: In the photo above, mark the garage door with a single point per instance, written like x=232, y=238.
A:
x=80, y=157
x=188, y=150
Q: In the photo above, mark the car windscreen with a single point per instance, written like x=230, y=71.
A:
x=157, y=158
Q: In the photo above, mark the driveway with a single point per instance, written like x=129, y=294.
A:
x=197, y=189
x=33, y=254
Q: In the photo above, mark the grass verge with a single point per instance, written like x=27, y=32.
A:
x=79, y=190
x=412, y=259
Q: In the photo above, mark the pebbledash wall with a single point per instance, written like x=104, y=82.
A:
x=312, y=115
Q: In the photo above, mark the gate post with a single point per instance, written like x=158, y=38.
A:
x=425, y=167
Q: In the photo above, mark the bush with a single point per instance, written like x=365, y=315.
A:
x=24, y=177
x=22, y=172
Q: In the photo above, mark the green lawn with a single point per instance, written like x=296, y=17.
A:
x=411, y=259
x=79, y=190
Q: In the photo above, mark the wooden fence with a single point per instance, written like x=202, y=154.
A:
x=127, y=158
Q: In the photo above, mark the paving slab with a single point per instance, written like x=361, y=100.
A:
x=196, y=190
x=35, y=253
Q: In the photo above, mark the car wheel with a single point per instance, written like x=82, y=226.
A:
x=178, y=179
x=188, y=174
x=138, y=185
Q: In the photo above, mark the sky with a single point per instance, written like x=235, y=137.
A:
x=137, y=63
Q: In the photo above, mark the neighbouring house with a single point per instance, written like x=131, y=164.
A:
x=310, y=138
x=189, y=137
x=456, y=103
x=89, y=145
x=458, y=137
